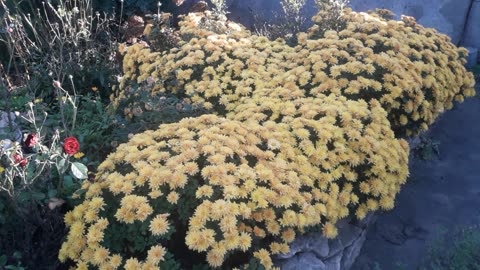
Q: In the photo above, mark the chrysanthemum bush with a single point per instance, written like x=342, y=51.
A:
x=363, y=57
x=238, y=187
x=210, y=174
x=361, y=164
x=415, y=72
x=174, y=71
x=241, y=67
x=299, y=138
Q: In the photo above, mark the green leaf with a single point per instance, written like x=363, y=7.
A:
x=68, y=181
x=23, y=196
x=38, y=196
x=52, y=193
x=41, y=157
x=62, y=165
x=30, y=169
x=17, y=255
x=80, y=192
x=3, y=260
x=79, y=170
x=58, y=150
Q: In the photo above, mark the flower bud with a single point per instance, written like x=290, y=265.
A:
x=57, y=84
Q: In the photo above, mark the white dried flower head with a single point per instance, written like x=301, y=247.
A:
x=57, y=84
x=273, y=144
x=292, y=7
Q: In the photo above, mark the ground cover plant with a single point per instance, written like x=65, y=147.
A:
x=462, y=252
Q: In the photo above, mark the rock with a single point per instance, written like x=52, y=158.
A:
x=201, y=6
x=5, y=132
x=352, y=252
x=396, y=230
x=472, y=29
x=334, y=263
x=245, y=12
x=447, y=16
x=312, y=251
x=392, y=233
x=347, y=234
x=472, y=58
x=303, y=261
x=134, y=28
x=442, y=200
x=310, y=242
x=414, y=232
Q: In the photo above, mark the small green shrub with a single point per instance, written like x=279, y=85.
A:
x=56, y=42
x=458, y=252
x=427, y=149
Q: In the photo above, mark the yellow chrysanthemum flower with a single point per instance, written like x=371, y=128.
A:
x=78, y=155
x=329, y=230
x=156, y=254
x=173, y=197
x=244, y=241
x=132, y=264
x=264, y=256
x=100, y=255
x=94, y=235
x=159, y=224
x=288, y=235
x=216, y=255
x=200, y=240
x=204, y=191
x=82, y=266
x=115, y=261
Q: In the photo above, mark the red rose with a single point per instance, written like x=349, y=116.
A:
x=31, y=140
x=23, y=162
x=18, y=159
x=71, y=145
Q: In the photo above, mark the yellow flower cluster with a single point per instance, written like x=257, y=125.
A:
x=415, y=72
x=139, y=64
x=301, y=136
x=85, y=239
x=350, y=141
x=260, y=179
x=207, y=24
x=212, y=69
